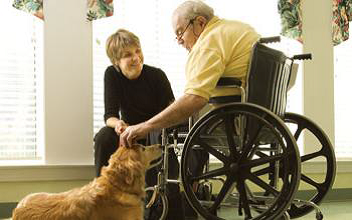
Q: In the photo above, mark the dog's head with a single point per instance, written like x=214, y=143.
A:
x=127, y=166
x=152, y=153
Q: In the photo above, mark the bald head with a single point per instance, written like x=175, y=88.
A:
x=189, y=20
x=190, y=9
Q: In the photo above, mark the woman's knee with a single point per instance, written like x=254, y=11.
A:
x=105, y=134
x=106, y=138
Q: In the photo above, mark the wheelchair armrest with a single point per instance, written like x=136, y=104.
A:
x=183, y=127
x=307, y=56
x=177, y=132
x=229, y=82
x=266, y=40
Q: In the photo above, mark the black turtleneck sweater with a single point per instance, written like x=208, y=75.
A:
x=137, y=100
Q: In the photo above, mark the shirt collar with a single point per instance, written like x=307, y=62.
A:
x=206, y=30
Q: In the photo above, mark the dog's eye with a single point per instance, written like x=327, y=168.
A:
x=143, y=148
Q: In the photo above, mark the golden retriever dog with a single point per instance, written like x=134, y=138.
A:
x=117, y=194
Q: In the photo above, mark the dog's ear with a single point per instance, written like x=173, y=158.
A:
x=123, y=153
x=130, y=166
x=125, y=174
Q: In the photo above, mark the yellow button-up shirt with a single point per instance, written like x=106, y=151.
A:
x=222, y=50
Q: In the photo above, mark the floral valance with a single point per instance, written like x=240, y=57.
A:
x=34, y=7
x=342, y=15
x=99, y=9
x=95, y=8
x=291, y=19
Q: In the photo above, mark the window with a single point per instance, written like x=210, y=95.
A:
x=20, y=66
x=151, y=21
x=343, y=78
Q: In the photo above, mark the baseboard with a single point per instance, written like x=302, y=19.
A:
x=334, y=195
x=6, y=209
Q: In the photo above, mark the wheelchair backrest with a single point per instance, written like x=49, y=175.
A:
x=268, y=77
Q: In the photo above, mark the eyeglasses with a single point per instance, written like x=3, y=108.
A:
x=180, y=35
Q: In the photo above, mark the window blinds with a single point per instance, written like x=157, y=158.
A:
x=343, y=79
x=20, y=63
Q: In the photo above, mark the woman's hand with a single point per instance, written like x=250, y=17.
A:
x=120, y=126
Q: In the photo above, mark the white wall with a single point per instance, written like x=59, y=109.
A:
x=68, y=83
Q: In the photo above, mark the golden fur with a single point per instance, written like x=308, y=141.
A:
x=116, y=195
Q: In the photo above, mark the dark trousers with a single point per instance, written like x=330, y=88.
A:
x=106, y=143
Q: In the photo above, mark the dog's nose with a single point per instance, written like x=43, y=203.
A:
x=161, y=146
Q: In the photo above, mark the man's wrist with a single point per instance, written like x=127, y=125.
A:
x=148, y=126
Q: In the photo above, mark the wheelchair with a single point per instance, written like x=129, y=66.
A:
x=254, y=164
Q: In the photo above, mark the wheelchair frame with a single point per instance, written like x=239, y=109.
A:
x=282, y=159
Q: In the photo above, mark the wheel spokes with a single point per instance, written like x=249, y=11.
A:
x=244, y=199
x=223, y=192
x=262, y=161
x=230, y=131
x=263, y=184
x=310, y=156
x=298, y=132
x=211, y=174
x=213, y=152
x=310, y=181
x=248, y=146
x=263, y=171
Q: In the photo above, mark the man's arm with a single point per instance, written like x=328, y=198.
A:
x=177, y=112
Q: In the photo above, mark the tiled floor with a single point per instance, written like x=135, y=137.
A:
x=331, y=211
x=334, y=211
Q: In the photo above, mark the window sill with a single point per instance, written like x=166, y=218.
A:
x=343, y=166
x=18, y=173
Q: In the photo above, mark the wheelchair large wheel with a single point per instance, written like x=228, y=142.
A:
x=324, y=152
x=242, y=142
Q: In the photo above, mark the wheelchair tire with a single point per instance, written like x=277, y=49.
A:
x=300, y=125
x=242, y=162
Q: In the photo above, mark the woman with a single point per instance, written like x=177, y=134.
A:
x=133, y=93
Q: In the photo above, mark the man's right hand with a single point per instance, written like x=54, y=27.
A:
x=133, y=133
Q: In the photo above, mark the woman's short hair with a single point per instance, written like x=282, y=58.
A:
x=188, y=10
x=118, y=41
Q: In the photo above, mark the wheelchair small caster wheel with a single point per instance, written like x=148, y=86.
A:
x=319, y=216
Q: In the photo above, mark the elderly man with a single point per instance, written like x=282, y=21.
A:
x=217, y=48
